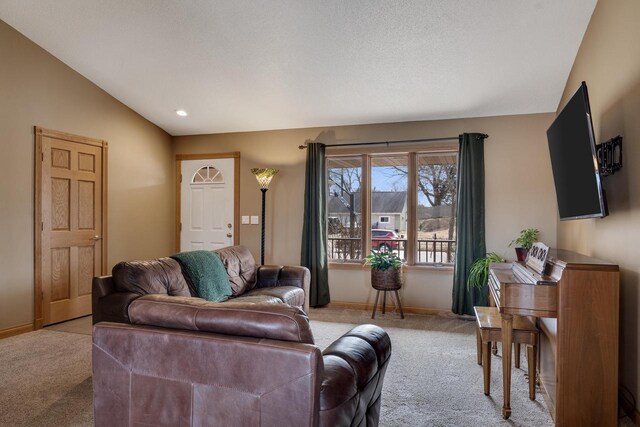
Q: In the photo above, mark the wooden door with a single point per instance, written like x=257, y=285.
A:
x=70, y=223
x=207, y=204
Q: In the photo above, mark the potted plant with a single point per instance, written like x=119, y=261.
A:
x=386, y=270
x=524, y=241
x=479, y=271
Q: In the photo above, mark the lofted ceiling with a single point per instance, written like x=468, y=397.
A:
x=244, y=65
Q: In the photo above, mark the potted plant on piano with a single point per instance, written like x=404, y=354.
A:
x=479, y=271
x=524, y=241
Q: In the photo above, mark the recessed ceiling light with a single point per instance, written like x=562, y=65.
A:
x=181, y=113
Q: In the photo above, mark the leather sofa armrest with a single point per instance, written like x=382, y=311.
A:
x=338, y=393
x=277, y=275
x=107, y=303
x=100, y=287
x=354, y=367
x=114, y=307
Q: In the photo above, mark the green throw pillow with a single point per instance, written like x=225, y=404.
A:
x=206, y=273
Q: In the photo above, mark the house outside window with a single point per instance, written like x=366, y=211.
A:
x=389, y=196
x=408, y=208
x=344, y=230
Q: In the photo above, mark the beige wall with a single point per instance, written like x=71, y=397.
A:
x=515, y=153
x=609, y=61
x=37, y=89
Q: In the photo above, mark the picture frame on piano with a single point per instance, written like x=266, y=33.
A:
x=537, y=257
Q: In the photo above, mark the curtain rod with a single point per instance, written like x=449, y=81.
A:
x=400, y=141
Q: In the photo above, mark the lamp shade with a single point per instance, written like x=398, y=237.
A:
x=264, y=176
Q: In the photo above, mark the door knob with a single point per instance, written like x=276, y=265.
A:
x=229, y=235
x=96, y=238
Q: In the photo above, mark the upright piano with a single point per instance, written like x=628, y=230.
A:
x=575, y=299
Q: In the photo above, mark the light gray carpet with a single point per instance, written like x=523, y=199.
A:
x=45, y=379
x=432, y=379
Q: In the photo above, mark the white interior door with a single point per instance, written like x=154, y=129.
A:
x=207, y=204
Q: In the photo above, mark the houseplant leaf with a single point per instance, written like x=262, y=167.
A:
x=526, y=239
x=383, y=260
x=479, y=271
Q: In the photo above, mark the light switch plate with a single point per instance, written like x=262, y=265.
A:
x=254, y=219
x=245, y=219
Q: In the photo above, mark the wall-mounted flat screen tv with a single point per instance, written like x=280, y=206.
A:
x=573, y=161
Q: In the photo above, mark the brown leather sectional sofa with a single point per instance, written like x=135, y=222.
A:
x=190, y=362
x=130, y=280
x=175, y=360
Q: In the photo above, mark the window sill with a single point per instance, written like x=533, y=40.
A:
x=355, y=265
x=429, y=267
x=351, y=265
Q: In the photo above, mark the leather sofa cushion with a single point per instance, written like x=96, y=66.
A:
x=257, y=299
x=158, y=276
x=277, y=275
x=241, y=268
x=292, y=295
x=272, y=321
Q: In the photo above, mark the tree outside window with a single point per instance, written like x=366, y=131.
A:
x=436, y=206
x=432, y=240
x=344, y=208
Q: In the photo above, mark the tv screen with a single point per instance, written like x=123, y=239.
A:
x=573, y=161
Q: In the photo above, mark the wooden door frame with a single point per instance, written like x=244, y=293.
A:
x=235, y=155
x=37, y=226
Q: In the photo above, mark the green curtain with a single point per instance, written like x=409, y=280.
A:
x=314, y=231
x=470, y=242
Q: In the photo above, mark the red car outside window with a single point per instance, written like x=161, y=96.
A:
x=384, y=240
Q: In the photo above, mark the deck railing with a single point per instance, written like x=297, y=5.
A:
x=344, y=248
x=429, y=251
x=436, y=251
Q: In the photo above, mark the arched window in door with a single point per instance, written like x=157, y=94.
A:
x=207, y=175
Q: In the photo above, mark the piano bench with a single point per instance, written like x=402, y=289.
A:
x=489, y=330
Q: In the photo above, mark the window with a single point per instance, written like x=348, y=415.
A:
x=436, y=204
x=409, y=206
x=207, y=175
x=389, y=185
x=344, y=208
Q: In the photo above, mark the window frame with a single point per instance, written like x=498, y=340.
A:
x=412, y=153
x=364, y=222
x=217, y=178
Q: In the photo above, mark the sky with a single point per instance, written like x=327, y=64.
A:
x=386, y=178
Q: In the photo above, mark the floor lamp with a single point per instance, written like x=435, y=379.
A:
x=264, y=177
